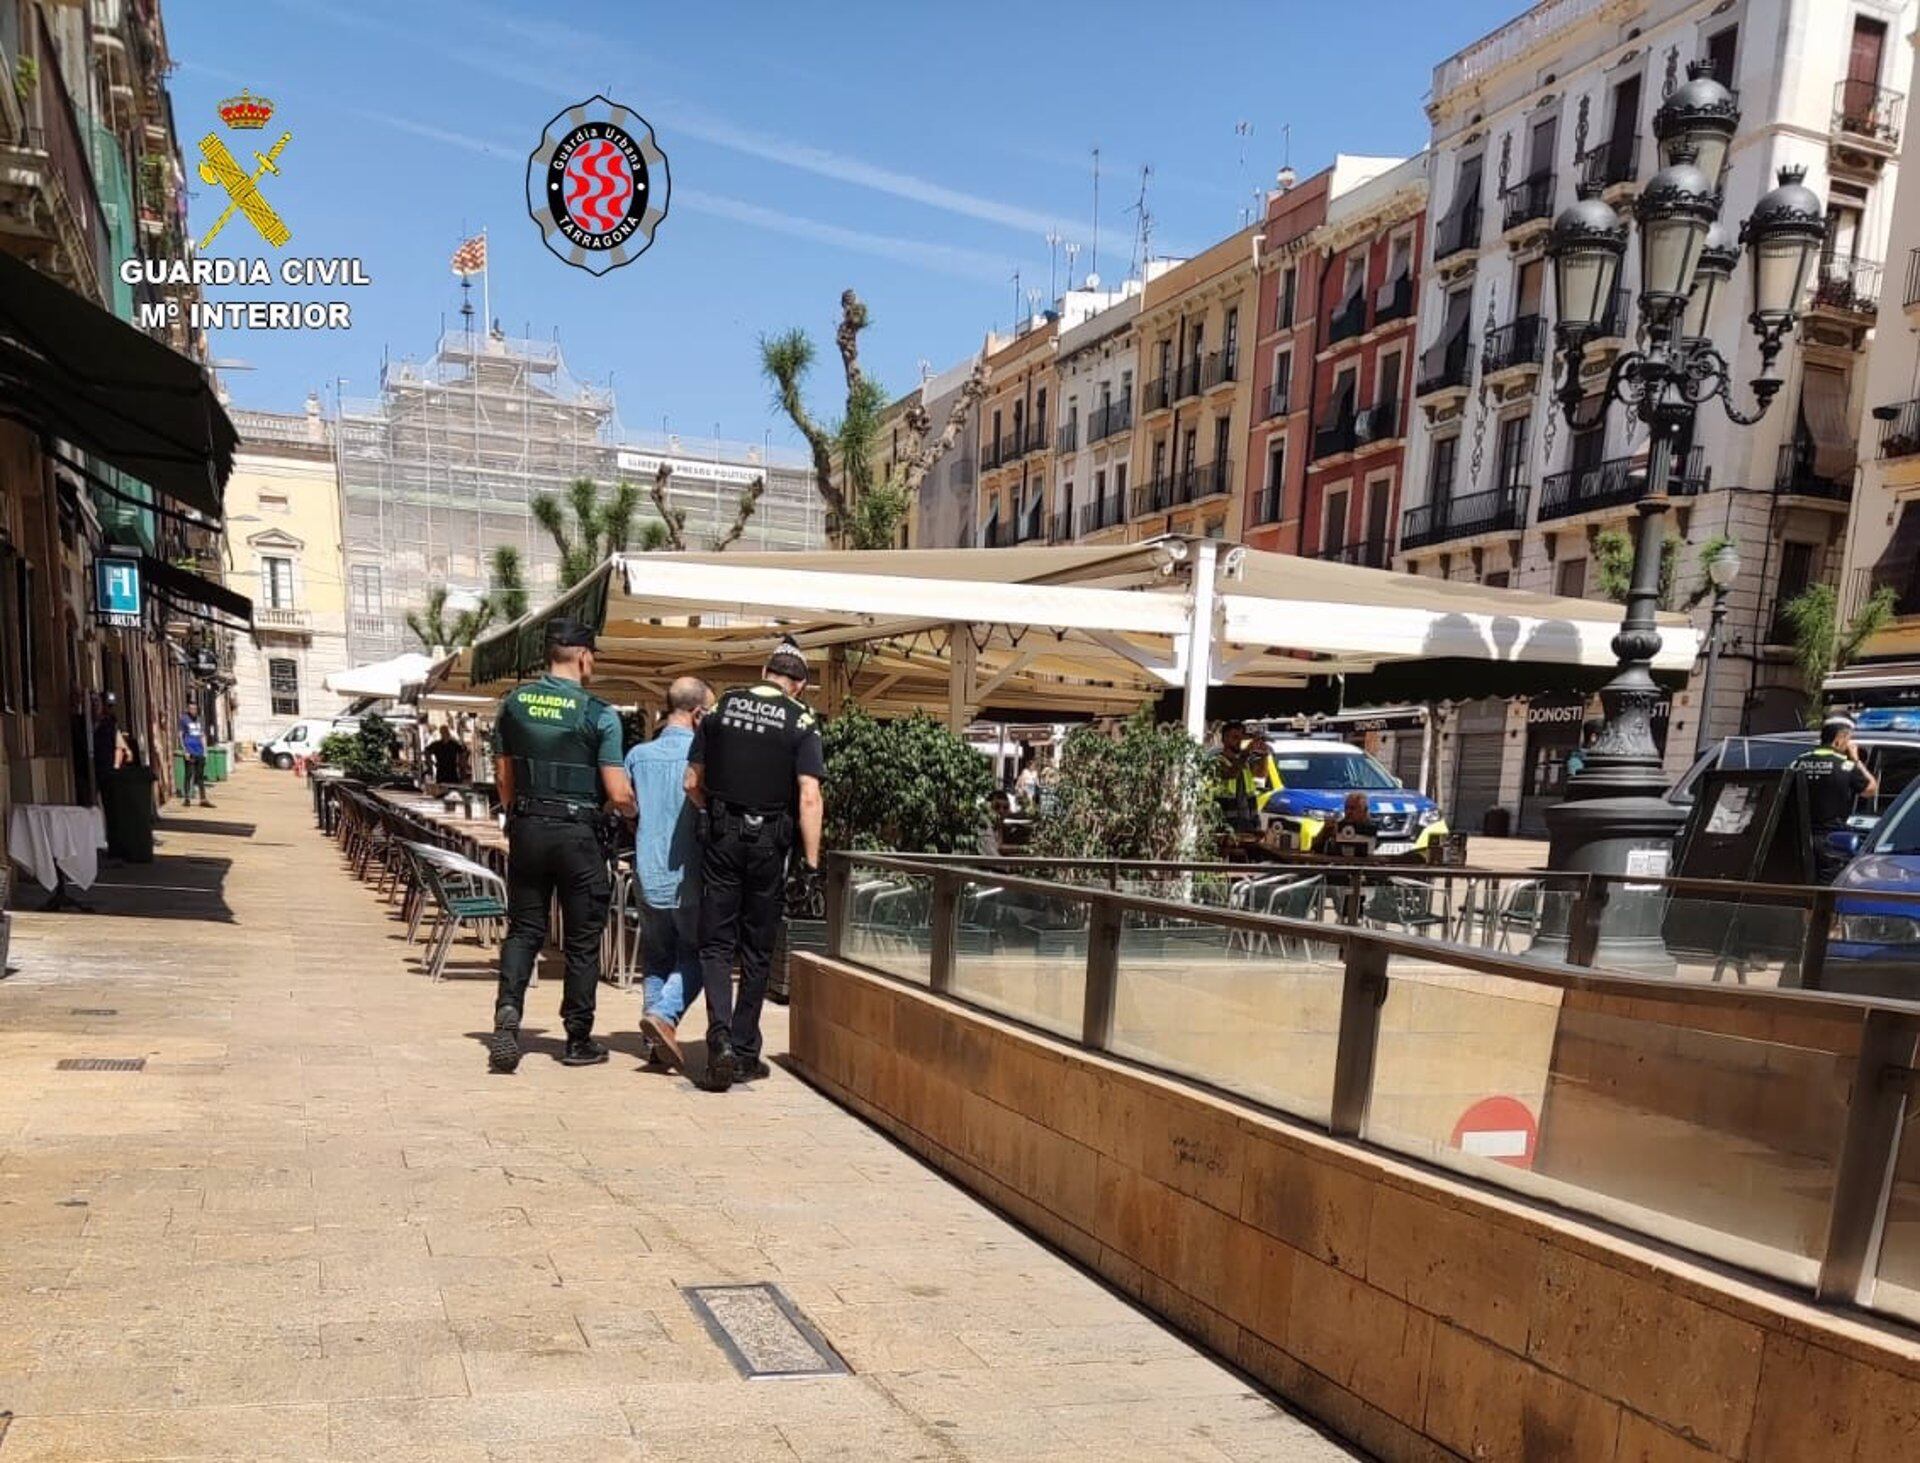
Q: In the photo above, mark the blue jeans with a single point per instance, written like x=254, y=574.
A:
x=670, y=958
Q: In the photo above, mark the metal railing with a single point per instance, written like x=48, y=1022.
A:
x=1610, y=162
x=1336, y=436
x=1912, y=296
x=1393, y=300
x=1102, y=513
x=1060, y=526
x=997, y=534
x=1614, y=482
x=1111, y=419
x=1445, y=366
x=1155, y=496
x=274, y=617
x=1848, y=286
x=1220, y=369
x=1376, y=423
x=1349, y=320
x=1279, y=400
x=1267, y=510
x=1794, y=473
x=1459, y=231
x=1314, y=967
x=1520, y=342
x=1617, y=322
x=1498, y=510
x=1861, y=109
x=1528, y=201
x=1156, y=396
x=1900, y=433
x=1189, y=375
x=1371, y=553
x=1037, y=439
x=1070, y=436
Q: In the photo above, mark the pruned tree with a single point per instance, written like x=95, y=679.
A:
x=1823, y=643
x=862, y=512
x=1613, y=563
x=436, y=632
x=598, y=527
x=672, y=525
x=508, y=592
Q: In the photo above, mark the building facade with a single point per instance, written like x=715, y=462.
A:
x=1196, y=322
x=1280, y=429
x=943, y=516
x=1098, y=372
x=1499, y=490
x=285, y=552
x=1016, y=441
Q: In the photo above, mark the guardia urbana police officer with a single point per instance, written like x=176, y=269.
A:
x=1835, y=777
x=755, y=766
x=558, y=763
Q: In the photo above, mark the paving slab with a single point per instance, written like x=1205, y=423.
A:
x=314, y=1226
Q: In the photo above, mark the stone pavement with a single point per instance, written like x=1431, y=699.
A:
x=314, y=1226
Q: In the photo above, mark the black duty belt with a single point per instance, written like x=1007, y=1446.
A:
x=555, y=809
x=741, y=810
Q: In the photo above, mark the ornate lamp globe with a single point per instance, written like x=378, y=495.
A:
x=1723, y=568
x=1701, y=115
x=1586, y=243
x=1718, y=256
x=1675, y=209
x=1783, y=235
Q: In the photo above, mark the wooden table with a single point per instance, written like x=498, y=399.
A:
x=481, y=839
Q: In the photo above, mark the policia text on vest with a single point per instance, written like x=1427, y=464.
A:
x=559, y=768
x=756, y=768
x=1834, y=778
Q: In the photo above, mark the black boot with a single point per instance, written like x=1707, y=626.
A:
x=749, y=1069
x=582, y=1051
x=503, y=1047
x=721, y=1064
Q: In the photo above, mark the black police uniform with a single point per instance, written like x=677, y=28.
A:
x=559, y=737
x=1834, y=782
x=753, y=746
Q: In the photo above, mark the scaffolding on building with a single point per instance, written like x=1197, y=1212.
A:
x=440, y=470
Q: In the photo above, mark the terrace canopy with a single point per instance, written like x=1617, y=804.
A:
x=1034, y=633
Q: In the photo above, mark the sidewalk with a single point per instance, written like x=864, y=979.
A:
x=315, y=1227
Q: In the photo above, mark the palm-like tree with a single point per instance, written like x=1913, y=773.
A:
x=509, y=590
x=435, y=632
x=597, y=528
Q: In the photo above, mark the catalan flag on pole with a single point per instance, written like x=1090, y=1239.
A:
x=471, y=257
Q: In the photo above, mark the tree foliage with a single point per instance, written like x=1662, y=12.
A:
x=597, y=527
x=1128, y=796
x=366, y=754
x=1822, y=643
x=436, y=632
x=863, y=512
x=509, y=589
x=1613, y=565
x=907, y=784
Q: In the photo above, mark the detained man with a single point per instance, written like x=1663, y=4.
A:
x=667, y=862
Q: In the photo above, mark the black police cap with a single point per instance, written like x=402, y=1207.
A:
x=569, y=632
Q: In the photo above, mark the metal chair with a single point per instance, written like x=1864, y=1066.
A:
x=463, y=893
x=1519, y=911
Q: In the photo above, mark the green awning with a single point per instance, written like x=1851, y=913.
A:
x=520, y=650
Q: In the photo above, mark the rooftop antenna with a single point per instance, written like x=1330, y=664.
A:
x=1053, y=262
x=1093, y=264
x=1072, y=251
x=1016, y=301
x=1243, y=130
x=1033, y=301
x=1143, y=222
x=1283, y=180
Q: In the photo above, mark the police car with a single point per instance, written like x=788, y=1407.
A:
x=1875, y=945
x=1316, y=774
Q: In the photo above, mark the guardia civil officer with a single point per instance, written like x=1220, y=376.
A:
x=1835, y=777
x=755, y=766
x=558, y=763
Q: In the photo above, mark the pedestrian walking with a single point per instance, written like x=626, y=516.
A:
x=109, y=745
x=558, y=763
x=666, y=857
x=193, y=749
x=756, y=767
x=446, y=758
x=1835, y=777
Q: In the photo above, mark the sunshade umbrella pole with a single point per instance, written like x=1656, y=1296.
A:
x=1205, y=554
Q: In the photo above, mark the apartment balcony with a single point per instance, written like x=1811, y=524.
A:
x=1031, y=529
x=998, y=535
x=1527, y=207
x=1866, y=120
x=1377, y=423
x=1610, y=164
x=1614, y=483
x=1158, y=396
x=1279, y=399
x=1445, y=368
x=1069, y=438
x=1372, y=553
x=1912, y=297
x=1102, y=514
x=1499, y=510
x=1209, y=479
x=1110, y=420
x=1266, y=508
x=989, y=454
x=1189, y=382
x=1459, y=232
x=1036, y=439
x=1393, y=301
x=1616, y=325
x=282, y=621
x=1794, y=475
x=1222, y=368
x=1152, y=497
x=1847, y=291
x=1335, y=436
x=48, y=200
x=1899, y=430
x=1514, y=350
x=1349, y=321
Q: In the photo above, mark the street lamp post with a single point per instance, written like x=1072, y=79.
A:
x=1615, y=804
x=1722, y=569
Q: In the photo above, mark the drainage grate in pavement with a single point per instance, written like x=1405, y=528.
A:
x=100, y=1064
x=94, y=1011
x=763, y=1333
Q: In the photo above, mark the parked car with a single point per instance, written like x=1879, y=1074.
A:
x=1893, y=756
x=1875, y=944
x=303, y=739
x=1316, y=775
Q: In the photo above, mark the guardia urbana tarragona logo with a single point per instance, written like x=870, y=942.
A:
x=597, y=185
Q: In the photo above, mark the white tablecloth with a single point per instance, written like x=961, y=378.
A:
x=48, y=840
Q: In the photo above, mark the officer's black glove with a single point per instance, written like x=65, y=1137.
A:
x=806, y=892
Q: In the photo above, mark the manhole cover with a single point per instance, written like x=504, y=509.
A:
x=101, y=1064
x=763, y=1333
x=94, y=1011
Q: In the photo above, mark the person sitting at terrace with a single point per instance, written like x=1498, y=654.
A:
x=1353, y=831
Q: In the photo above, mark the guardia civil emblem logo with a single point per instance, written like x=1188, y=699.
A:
x=597, y=185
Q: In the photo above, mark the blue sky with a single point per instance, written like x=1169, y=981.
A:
x=918, y=153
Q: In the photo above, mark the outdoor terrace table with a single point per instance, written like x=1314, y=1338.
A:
x=481, y=839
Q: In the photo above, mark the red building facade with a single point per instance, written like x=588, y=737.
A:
x=1362, y=370
x=1277, y=439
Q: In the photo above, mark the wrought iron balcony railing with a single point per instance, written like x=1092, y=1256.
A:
x=1794, y=474
x=1527, y=201
x=1189, y=379
x=1110, y=419
x=1335, y=435
x=1912, y=296
x=1102, y=513
x=1279, y=400
x=1157, y=396
x=1613, y=482
x=1848, y=286
x=1349, y=320
x=1444, y=366
x=1393, y=300
x=1520, y=342
x=1900, y=433
x=1219, y=369
x=1611, y=161
x=1861, y=109
x=1499, y=510
x=1459, y=231
x=1069, y=439
x=1372, y=553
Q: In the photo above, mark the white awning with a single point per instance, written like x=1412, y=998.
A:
x=381, y=678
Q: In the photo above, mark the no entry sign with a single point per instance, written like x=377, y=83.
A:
x=1500, y=1128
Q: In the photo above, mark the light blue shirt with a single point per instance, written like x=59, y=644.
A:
x=665, y=847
